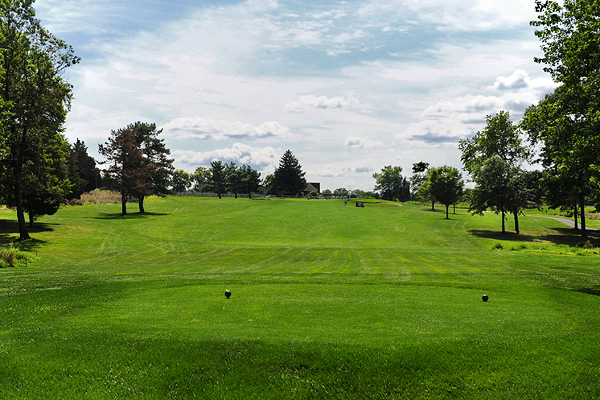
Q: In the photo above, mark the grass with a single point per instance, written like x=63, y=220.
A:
x=327, y=300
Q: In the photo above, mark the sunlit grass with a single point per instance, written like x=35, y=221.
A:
x=327, y=301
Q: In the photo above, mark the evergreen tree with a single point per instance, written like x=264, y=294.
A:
x=288, y=178
x=218, y=178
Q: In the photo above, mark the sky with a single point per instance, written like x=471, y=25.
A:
x=348, y=86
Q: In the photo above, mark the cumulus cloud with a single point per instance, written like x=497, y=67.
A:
x=204, y=129
x=260, y=158
x=448, y=121
x=324, y=102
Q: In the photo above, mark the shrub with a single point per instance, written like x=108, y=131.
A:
x=10, y=256
x=497, y=246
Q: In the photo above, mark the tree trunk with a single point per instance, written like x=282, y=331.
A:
x=516, y=214
x=448, y=206
x=432, y=205
x=123, y=203
x=250, y=194
x=19, y=161
x=582, y=214
x=141, y=203
x=31, y=222
x=503, y=224
x=575, y=215
x=219, y=195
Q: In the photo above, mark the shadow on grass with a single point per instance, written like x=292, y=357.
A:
x=568, y=236
x=137, y=215
x=9, y=233
x=592, y=291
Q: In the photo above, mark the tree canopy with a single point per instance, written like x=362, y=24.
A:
x=34, y=98
x=446, y=185
x=493, y=158
x=288, y=178
x=390, y=183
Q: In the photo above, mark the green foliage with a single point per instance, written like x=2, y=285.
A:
x=493, y=158
x=566, y=124
x=391, y=184
x=11, y=256
x=181, y=181
x=218, y=178
x=446, y=185
x=288, y=178
x=138, y=163
x=34, y=101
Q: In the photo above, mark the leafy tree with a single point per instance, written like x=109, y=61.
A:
x=201, y=179
x=419, y=177
x=288, y=177
x=250, y=180
x=566, y=123
x=127, y=170
x=267, y=185
x=155, y=162
x=181, y=181
x=34, y=98
x=341, y=192
x=492, y=157
x=218, y=177
x=389, y=182
x=46, y=184
x=424, y=192
x=446, y=185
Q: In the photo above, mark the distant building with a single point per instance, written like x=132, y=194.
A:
x=312, y=186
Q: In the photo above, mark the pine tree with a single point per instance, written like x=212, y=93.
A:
x=288, y=178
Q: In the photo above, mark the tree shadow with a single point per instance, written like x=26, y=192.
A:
x=10, y=228
x=137, y=215
x=592, y=291
x=568, y=236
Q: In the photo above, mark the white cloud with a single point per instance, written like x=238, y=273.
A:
x=204, y=129
x=357, y=142
x=324, y=102
x=261, y=158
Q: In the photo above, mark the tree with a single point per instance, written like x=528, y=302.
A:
x=33, y=96
x=389, y=182
x=250, y=180
x=181, y=180
x=155, y=162
x=341, y=192
x=218, y=178
x=566, y=123
x=201, y=179
x=83, y=173
x=233, y=176
x=424, y=191
x=127, y=170
x=492, y=157
x=446, y=185
x=46, y=184
x=288, y=178
x=418, y=177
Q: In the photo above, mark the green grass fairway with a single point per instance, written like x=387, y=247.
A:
x=328, y=301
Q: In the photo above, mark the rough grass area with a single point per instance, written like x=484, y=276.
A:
x=328, y=301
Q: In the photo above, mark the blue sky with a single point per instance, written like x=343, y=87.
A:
x=348, y=86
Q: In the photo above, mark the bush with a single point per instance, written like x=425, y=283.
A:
x=497, y=246
x=13, y=257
